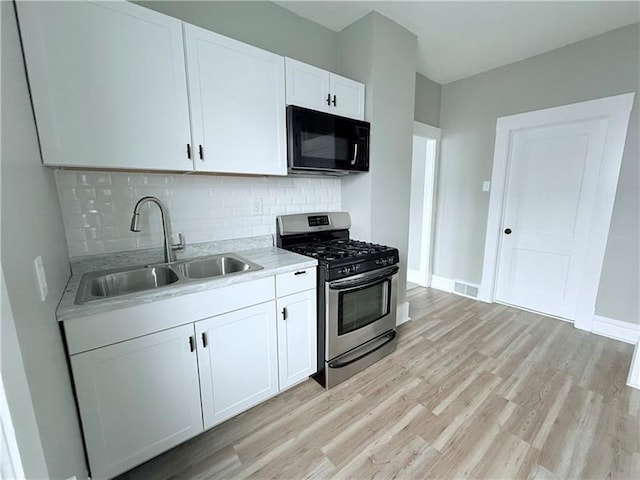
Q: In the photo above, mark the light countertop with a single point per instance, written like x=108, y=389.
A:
x=273, y=260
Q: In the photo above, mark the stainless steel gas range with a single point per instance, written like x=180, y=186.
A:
x=356, y=292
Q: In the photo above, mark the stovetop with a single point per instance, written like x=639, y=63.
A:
x=340, y=249
x=343, y=258
x=325, y=237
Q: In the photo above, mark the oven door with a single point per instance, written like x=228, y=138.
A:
x=359, y=308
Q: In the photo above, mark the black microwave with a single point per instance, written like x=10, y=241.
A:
x=319, y=142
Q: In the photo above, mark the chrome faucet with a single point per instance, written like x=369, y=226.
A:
x=169, y=255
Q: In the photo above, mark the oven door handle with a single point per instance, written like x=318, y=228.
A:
x=364, y=278
x=363, y=350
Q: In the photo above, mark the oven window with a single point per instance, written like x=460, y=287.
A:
x=358, y=308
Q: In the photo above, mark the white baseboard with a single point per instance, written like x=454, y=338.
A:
x=606, y=327
x=616, y=329
x=442, y=283
x=633, y=380
x=402, y=313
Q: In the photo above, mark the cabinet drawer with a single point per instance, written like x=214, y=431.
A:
x=295, y=281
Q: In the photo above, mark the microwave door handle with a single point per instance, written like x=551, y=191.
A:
x=355, y=154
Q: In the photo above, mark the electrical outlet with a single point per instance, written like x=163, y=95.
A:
x=257, y=206
x=486, y=185
x=41, y=278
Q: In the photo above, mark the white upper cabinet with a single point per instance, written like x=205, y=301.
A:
x=307, y=86
x=108, y=84
x=237, y=105
x=318, y=89
x=348, y=97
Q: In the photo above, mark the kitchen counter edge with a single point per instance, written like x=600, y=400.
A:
x=274, y=261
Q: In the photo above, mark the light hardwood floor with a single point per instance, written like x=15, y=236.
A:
x=472, y=390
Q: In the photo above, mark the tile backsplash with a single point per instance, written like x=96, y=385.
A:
x=97, y=206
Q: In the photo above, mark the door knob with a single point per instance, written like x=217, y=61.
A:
x=507, y=231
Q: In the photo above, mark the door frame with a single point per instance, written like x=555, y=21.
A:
x=423, y=276
x=10, y=461
x=616, y=110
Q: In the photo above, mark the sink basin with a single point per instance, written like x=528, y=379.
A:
x=111, y=283
x=214, y=267
x=96, y=285
x=132, y=281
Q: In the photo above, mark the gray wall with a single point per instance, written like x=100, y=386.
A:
x=427, y=104
x=32, y=226
x=262, y=24
x=14, y=381
x=382, y=54
x=598, y=67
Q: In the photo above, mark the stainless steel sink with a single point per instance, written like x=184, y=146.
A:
x=214, y=267
x=111, y=283
x=132, y=281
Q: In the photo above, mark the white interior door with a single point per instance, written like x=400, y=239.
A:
x=423, y=166
x=550, y=198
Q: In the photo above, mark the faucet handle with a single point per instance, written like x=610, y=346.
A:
x=180, y=245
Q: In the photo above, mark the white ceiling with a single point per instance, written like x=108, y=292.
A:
x=460, y=39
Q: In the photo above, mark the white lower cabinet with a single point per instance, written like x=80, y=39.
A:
x=142, y=392
x=297, y=335
x=137, y=399
x=238, y=357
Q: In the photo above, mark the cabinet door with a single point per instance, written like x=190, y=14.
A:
x=307, y=86
x=297, y=332
x=238, y=360
x=349, y=97
x=236, y=93
x=108, y=84
x=137, y=399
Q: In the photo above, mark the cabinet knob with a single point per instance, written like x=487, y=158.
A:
x=201, y=152
x=192, y=343
x=284, y=313
x=189, y=151
x=335, y=101
x=328, y=99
